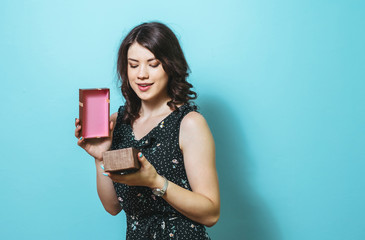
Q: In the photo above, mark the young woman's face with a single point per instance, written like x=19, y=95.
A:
x=145, y=73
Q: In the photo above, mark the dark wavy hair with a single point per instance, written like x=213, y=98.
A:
x=162, y=42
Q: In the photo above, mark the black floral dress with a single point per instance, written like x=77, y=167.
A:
x=149, y=216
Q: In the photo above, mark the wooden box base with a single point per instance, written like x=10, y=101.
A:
x=121, y=161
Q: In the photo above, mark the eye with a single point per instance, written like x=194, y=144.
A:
x=133, y=66
x=155, y=65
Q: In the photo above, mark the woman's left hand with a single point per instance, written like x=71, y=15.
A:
x=146, y=176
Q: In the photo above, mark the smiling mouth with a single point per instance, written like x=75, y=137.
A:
x=144, y=87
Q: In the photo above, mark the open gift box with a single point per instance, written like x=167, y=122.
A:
x=94, y=111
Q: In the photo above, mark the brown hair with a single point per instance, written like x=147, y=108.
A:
x=162, y=42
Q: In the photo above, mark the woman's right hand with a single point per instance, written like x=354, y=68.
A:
x=95, y=146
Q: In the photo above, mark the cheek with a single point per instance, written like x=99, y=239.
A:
x=159, y=71
x=129, y=73
x=162, y=76
x=132, y=72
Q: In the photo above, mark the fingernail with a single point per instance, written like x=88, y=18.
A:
x=102, y=166
x=140, y=155
x=80, y=138
x=105, y=174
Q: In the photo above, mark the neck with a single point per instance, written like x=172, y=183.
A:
x=155, y=107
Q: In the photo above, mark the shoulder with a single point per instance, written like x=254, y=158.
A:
x=194, y=129
x=192, y=121
x=114, y=117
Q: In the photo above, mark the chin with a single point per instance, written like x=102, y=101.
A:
x=144, y=96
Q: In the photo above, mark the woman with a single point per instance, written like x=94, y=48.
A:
x=175, y=192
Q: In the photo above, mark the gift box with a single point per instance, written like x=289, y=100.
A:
x=121, y=161
x=94, y=111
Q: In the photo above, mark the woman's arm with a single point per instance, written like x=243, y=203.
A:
x=203, y=203
x=95, y=148
x=105, y=187
x=106, y=191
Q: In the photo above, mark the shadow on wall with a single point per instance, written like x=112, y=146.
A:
x=243, y=213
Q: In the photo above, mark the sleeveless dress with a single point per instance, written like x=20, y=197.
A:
x=149, y=216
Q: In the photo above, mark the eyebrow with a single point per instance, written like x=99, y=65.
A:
x=149, y=60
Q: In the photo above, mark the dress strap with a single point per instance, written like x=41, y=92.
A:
x=185, y=109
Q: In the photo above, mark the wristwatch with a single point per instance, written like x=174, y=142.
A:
x=160, y=192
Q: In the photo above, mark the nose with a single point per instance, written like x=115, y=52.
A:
x=143, y=72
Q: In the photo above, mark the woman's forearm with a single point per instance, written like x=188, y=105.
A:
x=195, y=206
x=106, y=191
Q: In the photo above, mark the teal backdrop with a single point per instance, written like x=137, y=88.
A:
x=281, y=84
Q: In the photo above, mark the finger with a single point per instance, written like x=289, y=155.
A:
x=81, y=142
x=77, y=121
x=116, y=177
x=111, y=125
x=77, y=131
x=142, y=159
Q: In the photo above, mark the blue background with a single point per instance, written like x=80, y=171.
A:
x=281, y=84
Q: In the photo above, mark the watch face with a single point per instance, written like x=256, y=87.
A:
x=157, y=192
x=160, y=192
